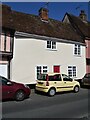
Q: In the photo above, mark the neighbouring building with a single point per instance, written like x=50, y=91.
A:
x=42, y=45
x=6, y=41
x=82, y=27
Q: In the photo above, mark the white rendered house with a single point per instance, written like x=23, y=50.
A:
x=37, y=54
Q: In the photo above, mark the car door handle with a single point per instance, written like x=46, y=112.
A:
x=64, y=82
x=55, y=82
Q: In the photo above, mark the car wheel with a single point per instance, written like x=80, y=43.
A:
x=52, y=92
x=20, y=95
x=76, y=89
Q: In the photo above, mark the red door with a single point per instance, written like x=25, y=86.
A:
x=56, y=69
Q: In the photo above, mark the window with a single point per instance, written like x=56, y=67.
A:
x=3, y=81
x=51, y=45
x=41, y=70
x=72, y=71
x=5, y=42
x=77, y=49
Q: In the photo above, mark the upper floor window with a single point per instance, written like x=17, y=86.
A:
x=77, y=49
x=51, y=45
x=5, y=42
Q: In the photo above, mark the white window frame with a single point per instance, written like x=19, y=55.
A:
x=77, y=49
x=73, y=70
x=52, y=45
x=43, y=69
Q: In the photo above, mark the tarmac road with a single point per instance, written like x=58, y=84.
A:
x=62, y=105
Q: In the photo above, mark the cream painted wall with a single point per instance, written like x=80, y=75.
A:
x=29, y=52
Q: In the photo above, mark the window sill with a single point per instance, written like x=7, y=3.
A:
x=77, y=55
x=51, y=49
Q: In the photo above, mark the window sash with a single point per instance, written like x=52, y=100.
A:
x=48, y=44
x=5, y=43
x=77, y=49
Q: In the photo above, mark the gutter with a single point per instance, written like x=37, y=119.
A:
x=27, y=35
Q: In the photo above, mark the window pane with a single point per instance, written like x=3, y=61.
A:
x=75, y=52
x=44, y=69
x=53, y=45
x=38, y=71
x=79, y=50
x=2, y=40
x=48, y=44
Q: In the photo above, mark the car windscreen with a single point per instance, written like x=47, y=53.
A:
x=3, y=80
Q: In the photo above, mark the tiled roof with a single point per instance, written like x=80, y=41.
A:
x=32, y=24
x=83, y=27
x=7, y=20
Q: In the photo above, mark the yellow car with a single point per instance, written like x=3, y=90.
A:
x=56, y=82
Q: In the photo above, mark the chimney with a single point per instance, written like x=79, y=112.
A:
x=43, y=13
x=83, y=16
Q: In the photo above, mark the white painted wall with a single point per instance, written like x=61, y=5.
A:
x=30, y=52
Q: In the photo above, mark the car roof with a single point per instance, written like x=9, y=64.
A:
x=55, y=73
x=3, y=77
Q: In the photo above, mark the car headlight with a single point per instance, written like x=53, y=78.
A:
x=26, y=86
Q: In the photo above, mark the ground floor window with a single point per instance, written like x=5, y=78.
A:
x=72, y=71
x=4, y=70
x=41, y=69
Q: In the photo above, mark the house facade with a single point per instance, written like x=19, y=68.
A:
x=35, y=55
x=82, y=27
x=6, y=43
x=43, y=45
x=6, y=52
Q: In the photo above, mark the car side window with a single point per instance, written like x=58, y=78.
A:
x=66, y=78
x=0, y=82
x=87, y=76
x=3, y=81
x=55, y=77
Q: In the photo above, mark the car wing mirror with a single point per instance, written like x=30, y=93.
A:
x=71, y=79
x=9, y=83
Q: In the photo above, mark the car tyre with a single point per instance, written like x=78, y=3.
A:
x=20, y=95
x=52, y=92
x=76, y=89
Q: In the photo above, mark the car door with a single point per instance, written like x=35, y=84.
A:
x=56, y=81
x=0, y=89
x=67, y=83
x=86, y=79
x=7, y=90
